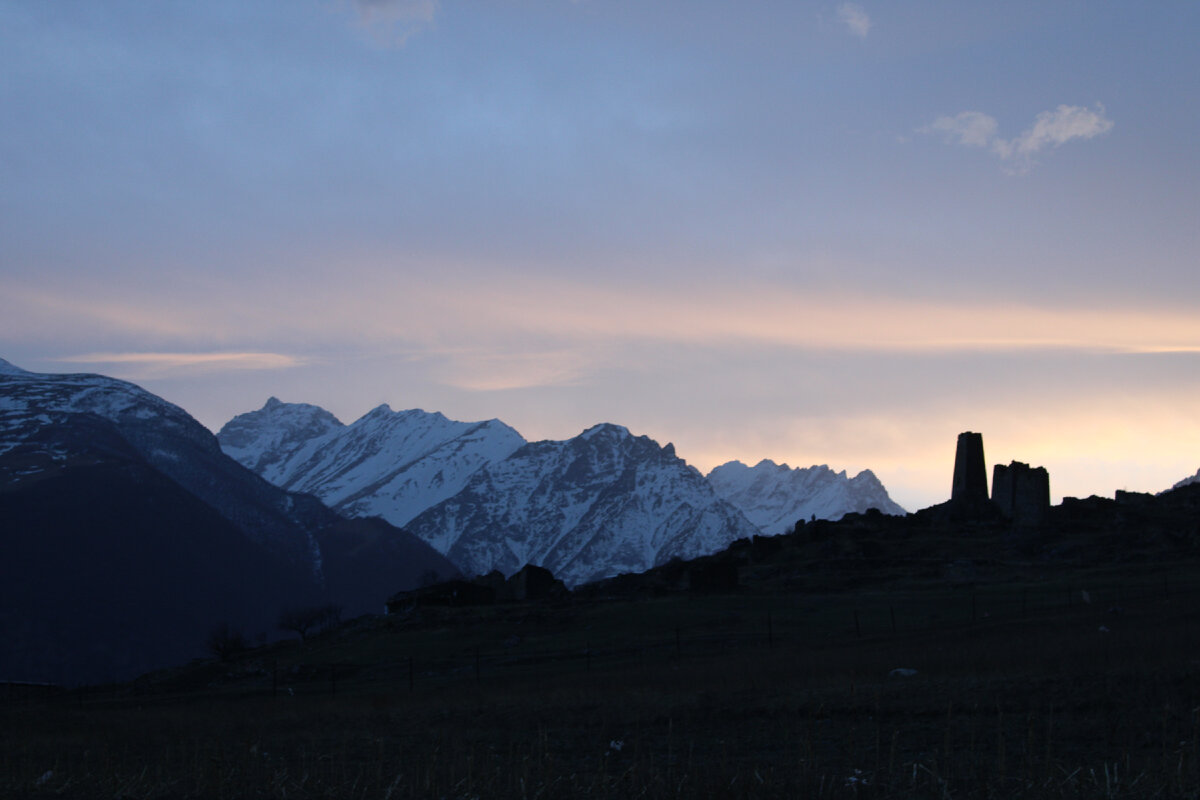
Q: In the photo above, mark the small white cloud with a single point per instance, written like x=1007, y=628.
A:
x=395, y=20
x=1050, y=129
x=855, y=18
x=972, y=128
x=1053, y=128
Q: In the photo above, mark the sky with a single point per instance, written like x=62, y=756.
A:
x=813, y=232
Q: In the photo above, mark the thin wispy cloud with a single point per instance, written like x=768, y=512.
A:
x=567, y=316
x=500, y=370
x=1050, y=129
x=855, y=19
x=164, y=364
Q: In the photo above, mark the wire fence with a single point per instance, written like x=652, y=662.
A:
x=762, y=625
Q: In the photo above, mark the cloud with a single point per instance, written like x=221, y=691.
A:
x=575, y=313
x=499, y=370
x=971, y=128
x=855, y=18
x=1054, y=128
x=394, y=21
x=152, y=365
x=1050, y=129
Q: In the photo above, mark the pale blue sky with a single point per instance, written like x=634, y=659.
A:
x=814, y=232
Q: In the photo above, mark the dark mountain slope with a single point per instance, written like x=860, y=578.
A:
x=128, y=535
x=109, y=568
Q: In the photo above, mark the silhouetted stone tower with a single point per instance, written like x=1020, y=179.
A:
x=1022, y=492
x=970, y=474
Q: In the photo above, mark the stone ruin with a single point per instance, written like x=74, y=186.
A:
x=970, y=475
x=1022, y=492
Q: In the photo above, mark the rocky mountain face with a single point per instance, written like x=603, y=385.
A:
x=600, y=504
x=128, y=535
x=390, y=464
x=775, y=496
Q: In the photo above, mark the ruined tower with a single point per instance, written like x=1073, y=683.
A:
x=970, y=474
x=1022, y=492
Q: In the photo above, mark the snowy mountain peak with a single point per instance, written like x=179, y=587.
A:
x=606, y=429
x=391, y=464
x=602, y=503
x=380, y=411
x=260, y=438
x=774, y=497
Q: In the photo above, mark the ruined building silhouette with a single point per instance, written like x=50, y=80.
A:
x=1022, y=492
x=970, y=474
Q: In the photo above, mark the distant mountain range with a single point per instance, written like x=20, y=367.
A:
x=774, y=496
x=599, y=504
x=130, y=531
x=128, y=535
x=589, y=507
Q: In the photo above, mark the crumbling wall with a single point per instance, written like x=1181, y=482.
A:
x=1022, y=492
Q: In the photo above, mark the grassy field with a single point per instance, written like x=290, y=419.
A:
x=1078, y=685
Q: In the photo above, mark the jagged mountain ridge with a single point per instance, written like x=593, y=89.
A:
x=599, y=504
x=774, y=496
x=391, y=464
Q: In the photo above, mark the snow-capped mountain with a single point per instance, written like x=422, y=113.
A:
x=391, y=464
x=128, y=534
x=49, y=421
x=774, y=496
x=600, y=504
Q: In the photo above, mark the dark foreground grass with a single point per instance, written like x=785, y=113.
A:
x=1048, y=706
